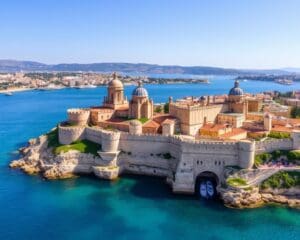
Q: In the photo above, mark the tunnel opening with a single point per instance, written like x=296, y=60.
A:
x=206, y=185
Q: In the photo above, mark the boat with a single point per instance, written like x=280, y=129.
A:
x=203, y=190
x=207, y=189
x=210, y=189
x=8, y=94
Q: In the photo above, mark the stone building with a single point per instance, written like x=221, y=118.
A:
x=225, y=117
x=140, y=105
x=193, y=114
x=115, y=95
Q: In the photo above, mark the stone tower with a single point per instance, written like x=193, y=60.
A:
x=115, y=94
x=140, y=105
x=268, y=122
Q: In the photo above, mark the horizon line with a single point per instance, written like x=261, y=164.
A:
x=157, y=64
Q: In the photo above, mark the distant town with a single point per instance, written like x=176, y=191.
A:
x=19, y=81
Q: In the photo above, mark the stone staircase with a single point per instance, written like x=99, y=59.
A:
x=262, y=175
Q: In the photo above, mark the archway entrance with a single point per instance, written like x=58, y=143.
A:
x=206, y=184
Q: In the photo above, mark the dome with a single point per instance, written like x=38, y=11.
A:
x=115, y=83
x=236, y=90
x=139, y=91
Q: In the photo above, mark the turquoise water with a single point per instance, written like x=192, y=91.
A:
x=130, y=208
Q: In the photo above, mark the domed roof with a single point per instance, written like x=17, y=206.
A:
x=115, y=83
x=236, y=90
x=139, y=91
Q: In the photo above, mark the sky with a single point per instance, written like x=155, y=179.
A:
x=257, y=34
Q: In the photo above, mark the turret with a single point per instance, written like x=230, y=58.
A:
x=79, y=117
x=246, y=152
x=268, y=122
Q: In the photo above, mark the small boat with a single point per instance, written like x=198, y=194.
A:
x=207, y=189
x=8, y=94
x=203, y=190
x=210, y=189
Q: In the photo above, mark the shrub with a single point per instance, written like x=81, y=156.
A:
x=295, y=112
x=293, y=156
x=279, y=135
x=282, y=180
x=166, y=108
x=53, y=138
x=262, y=158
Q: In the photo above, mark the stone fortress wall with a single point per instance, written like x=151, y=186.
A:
x=292, y=143
x=179, y=160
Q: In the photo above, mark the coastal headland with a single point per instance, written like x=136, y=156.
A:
x=224, y=148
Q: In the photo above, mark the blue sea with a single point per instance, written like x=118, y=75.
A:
x=130, y=208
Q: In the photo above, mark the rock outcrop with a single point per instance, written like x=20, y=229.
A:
x=241, y=198
x=254, y=197
x=37, y=158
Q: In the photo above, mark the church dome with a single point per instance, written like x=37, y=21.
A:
x=115, y=83
x=236, y=90
x=139, y=91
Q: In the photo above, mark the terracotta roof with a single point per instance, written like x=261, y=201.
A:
x=151, y=124
x=162, y=117
x=279, y=128
x=235, y=131
x=214, y=127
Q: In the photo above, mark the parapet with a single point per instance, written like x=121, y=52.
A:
x=78, y=116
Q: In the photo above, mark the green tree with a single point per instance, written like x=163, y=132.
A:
x=166, y=108
x=295, y=112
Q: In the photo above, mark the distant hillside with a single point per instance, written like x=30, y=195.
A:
x=13, y=66
x=292, y=70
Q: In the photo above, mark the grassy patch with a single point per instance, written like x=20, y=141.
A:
x=143, y=120
x=236, y=182
x=282, y=180
x=83, y=146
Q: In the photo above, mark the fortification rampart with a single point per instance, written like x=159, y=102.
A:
x=274, y=144
x=67, y=135
x=178, y=159
x=93, y=134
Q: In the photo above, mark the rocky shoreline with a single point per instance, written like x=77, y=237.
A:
x=256, y=197
x=38, y=158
